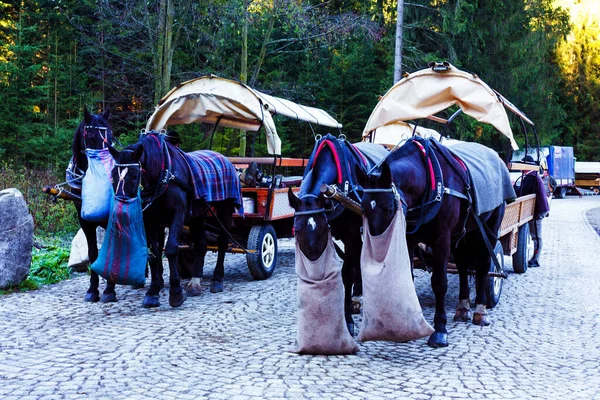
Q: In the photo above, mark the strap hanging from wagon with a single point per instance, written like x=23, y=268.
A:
x=235, y=242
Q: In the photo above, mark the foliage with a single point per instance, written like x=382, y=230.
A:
x=50, y=219
x=58, y=55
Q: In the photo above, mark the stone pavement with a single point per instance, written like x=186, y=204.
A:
x=544, y=341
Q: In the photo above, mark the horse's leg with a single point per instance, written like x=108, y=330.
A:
x=225, y=213
x=481, y=260
x=439, y=284
x=92, y=295
x=198, y=234
x=177, y=295
x=461, y=258
x=352, y=247
x=155, y=241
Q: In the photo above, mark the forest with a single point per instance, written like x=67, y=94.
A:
x=57, y=56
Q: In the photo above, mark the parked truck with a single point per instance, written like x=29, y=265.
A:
x=560, y=162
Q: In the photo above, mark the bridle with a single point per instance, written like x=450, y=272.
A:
x=122, y=171
x=311, y=212
x=107, y=132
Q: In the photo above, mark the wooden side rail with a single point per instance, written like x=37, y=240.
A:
x=279, y=162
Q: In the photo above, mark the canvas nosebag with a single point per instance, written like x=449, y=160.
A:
x=96, y=186
x=391, y=309
x=124, y=254
x=321, y=324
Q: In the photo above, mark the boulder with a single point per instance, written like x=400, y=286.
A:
x=78, y=259
x=16, y=238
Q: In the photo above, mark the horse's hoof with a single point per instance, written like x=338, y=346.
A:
x=177, y=298
x=463, y=315
x=109, y=298
x=151, y=301
x=92, y=297
x=356, y=305
x=350, y=326
x=438, y=339
x=481, y=319
x=216, y=287
x=193, y=290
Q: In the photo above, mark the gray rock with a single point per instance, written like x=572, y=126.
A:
x=16, y=238
x=78, y=259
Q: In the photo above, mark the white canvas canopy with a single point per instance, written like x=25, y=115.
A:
x=392, y=134
x=211, y=99
x=431, y=90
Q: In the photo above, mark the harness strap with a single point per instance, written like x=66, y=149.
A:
x=488, y=245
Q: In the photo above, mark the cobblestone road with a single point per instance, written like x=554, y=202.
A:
x=544, y=341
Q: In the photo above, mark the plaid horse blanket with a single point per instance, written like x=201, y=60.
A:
x=214, y=178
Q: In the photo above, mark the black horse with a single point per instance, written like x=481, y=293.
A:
x=95, y=133
x=163, y=173
x=333, y=162
x=432, y=187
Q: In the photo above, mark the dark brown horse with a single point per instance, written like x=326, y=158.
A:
x=93, y=133
x=333, y=162
x=163, y=173
x=439, y=213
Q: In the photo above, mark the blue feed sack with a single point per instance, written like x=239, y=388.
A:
x=96, y=190
x=124, y=252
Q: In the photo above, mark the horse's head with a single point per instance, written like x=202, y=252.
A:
x=127, y=173
x=94, y=133
x=311, y=227
x=380, y=198
x=140, y=164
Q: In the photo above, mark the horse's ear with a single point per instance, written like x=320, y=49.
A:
x=361, y=175
x=137, y=153
x=114, y=152
x=293, y=199
x=386, y=175
x=86, y=115
x=106, y=114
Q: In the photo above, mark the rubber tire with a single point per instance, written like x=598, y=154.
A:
x=494, y=284
x=260, y=263
x=521, y=257
x=561, y=193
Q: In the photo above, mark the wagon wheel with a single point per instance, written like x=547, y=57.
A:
x=561, y=193
x=262, y=261
x=524, y=245
x=494, y=284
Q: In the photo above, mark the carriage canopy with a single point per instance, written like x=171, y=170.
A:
x=431, y=90
x=213, y=100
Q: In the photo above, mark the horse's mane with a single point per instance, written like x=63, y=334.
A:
x=152, y=145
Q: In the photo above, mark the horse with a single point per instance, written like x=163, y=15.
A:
x=94, y=133
x=333, y=161
x=162, y=174
x=437, y=204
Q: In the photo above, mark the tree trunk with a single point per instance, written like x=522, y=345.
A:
x=244, y=69
x=263, y=49
x=398, y=49
x=163, y=60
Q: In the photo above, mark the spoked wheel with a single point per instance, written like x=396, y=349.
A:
x=524, y=250
x=494, y=283
x=262, y=240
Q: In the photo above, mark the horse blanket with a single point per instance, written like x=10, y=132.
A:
x=124, y=253
x=490, y=178
x=214, y=178
x=391, y=309
x=96, y=190
x=321, y=324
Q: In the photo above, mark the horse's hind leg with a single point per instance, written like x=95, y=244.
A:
x=198, y=234
x=225, y=213
x=461, y=258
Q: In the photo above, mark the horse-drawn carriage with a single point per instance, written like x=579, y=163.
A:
x=430, y=91
x=226, y=103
